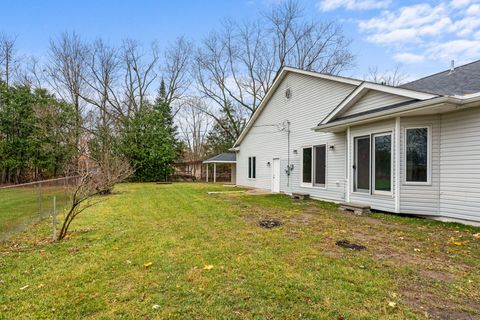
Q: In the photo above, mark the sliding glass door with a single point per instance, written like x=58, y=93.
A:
x=362, y=164
x=373, y=163
x=382, y=163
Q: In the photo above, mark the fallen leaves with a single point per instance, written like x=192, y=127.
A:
x=25, y=287
x=156, y=307
x=477, y=236
x=392, y=304
x=147, y=265
x=208, y=267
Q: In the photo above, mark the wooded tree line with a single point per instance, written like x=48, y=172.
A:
x=147, y=105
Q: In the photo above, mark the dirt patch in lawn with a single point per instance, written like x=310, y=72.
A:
x=269, y=223
x=432, y=306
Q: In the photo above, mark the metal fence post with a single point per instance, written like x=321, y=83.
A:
x=54, y=218
x=39, y=199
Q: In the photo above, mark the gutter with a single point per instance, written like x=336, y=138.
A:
x=397, y=112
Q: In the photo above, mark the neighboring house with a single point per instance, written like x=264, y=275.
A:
x=189, y=170
x=413, y=149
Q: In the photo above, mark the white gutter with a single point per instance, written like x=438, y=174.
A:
x=397, y=111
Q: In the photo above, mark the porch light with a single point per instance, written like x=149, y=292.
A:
x=332, y=147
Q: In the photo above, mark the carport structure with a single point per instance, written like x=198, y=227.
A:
x=229, y=158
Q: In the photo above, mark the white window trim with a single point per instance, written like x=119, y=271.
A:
x=305, y=184
x=248, y=168
x=372, y=161
x=312, y=184
x=320, y=186
x=371, y=191
x=355, y=174
x=429, y=157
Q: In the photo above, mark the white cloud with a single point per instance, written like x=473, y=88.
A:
x=330, y=5
x=447, y=30
x=460, y=50
x=409, y=58
x=460, y=3
x=474, y=10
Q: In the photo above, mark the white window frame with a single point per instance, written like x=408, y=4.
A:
x=372, y=191
x=250, y=173
x=312, y=184
x=355, y=175
x=429, y=157
x=372, y=161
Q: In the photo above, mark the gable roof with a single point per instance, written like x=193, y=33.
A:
x=276, y=83
x=226, y=157
x=364, y=87
x=461, y=81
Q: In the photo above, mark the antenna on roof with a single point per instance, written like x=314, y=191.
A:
x=452, y=67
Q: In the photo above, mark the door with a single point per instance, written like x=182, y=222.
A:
x=362, y=164
x=276, y=175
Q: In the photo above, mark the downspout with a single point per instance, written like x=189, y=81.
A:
x=288, y=153
x=349, y=167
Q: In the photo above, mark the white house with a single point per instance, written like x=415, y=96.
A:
x=413, y=149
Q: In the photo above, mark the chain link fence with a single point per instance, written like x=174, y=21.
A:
x=23, y=205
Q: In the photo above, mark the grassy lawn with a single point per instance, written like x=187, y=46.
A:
x=172, y=251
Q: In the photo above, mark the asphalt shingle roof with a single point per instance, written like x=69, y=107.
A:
x=463, y=80
x=226, y=156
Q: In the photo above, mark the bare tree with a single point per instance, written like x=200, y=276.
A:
x=391, y=77
x=90, y=184
x=7, y=56
x=67, y=70
x=236, y=66
x=102, y=80
x=194, y=126
x=139, y=74
x=175, y=70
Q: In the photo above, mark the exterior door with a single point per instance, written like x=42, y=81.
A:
x=276, y=175
x=361, y=165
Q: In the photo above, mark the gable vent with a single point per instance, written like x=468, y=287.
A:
x=288, y=93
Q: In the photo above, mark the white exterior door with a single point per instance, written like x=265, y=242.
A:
x=276, y=175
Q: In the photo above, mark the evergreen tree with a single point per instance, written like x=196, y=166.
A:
x=218, y=139
x=150, y=140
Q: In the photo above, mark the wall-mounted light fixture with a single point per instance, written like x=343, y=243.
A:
x=268, y=164
x=295, y=151
x=332, y=147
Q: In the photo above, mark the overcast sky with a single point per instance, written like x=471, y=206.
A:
x=423, y=36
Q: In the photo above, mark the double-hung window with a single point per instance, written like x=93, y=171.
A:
x=314, y=166
x=417, y=157
x=252, y=167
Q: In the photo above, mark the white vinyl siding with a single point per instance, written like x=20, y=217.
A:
x=423, y=198
x=460, y=165
x=311, y=100
x=373, y=100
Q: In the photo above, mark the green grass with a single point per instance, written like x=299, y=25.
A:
x=410, y=269
x=19, y=206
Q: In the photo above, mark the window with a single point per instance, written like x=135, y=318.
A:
x=252, y=170
x=320, y=165
x=416, y=154
x=373, y=163
x=314, y=165
x=382, y=177
x=307, y=165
